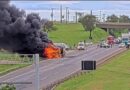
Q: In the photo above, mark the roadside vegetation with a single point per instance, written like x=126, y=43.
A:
x=74, y=32
x=115, y=75
x=7, y=87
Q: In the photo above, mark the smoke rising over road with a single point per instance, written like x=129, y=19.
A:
x=20, y=33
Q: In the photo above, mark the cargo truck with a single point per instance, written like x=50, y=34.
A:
x=125, y=38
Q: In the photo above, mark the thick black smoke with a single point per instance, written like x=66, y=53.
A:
x=20, y=33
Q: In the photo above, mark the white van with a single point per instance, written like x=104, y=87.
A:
x=81, y=46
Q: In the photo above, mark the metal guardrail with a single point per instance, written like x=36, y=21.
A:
x=6, y=58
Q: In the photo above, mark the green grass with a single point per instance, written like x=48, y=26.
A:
x=115, y=75
x=73, y=33
x=6, y=68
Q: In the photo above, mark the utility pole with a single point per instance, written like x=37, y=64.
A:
x=100, y=16
x=66, y=15
x=73, y=18
x=61, y=13
x=103, y=17
x=76, y=16
x=91, y=12
x=52, y=14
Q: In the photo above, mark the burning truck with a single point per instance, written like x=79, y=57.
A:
x=21, y=33
x=53, y=51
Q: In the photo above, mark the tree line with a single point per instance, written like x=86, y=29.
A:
x=120, y=19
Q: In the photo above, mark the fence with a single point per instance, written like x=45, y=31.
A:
x=10, y=58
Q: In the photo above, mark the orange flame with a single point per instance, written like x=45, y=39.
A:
x=52, y=52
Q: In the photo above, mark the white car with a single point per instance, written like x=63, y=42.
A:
x=65, y=46
x=104, y=44
x=121, y=45
x=88, y=43
x=81, y=46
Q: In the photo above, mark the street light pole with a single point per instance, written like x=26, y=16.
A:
x=91, y=12
x=61, y=14
x=100, y=16
x=103, y=17
x=37, y=75
x=66, y=14
x=76, y=16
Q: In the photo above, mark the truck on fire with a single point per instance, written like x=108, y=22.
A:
x=53, y=51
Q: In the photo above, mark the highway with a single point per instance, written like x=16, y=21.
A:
x=53, y=70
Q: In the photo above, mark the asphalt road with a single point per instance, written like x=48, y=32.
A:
x=53, y=70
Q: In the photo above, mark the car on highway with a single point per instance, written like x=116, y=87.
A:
x=81, y=46
x=104, y=44
x=121, y=45
x=88, y=43
x=65, y=46
x=117, y=41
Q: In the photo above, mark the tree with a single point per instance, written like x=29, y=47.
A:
x=48, y=26
x=8, y=87
x=112, y=18
x=88, y=22
x=124, y=19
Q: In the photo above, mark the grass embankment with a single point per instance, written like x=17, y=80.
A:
x=6, y=68
x=115, y=75
x=73, y=33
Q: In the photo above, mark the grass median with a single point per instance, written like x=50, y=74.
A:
x=115, y=75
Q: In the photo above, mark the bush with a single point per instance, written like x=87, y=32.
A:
x=7, y=87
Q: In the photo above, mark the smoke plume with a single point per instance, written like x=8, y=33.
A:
x=20, y=32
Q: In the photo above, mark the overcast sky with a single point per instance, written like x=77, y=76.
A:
x=107, y=7
x=94, y=5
